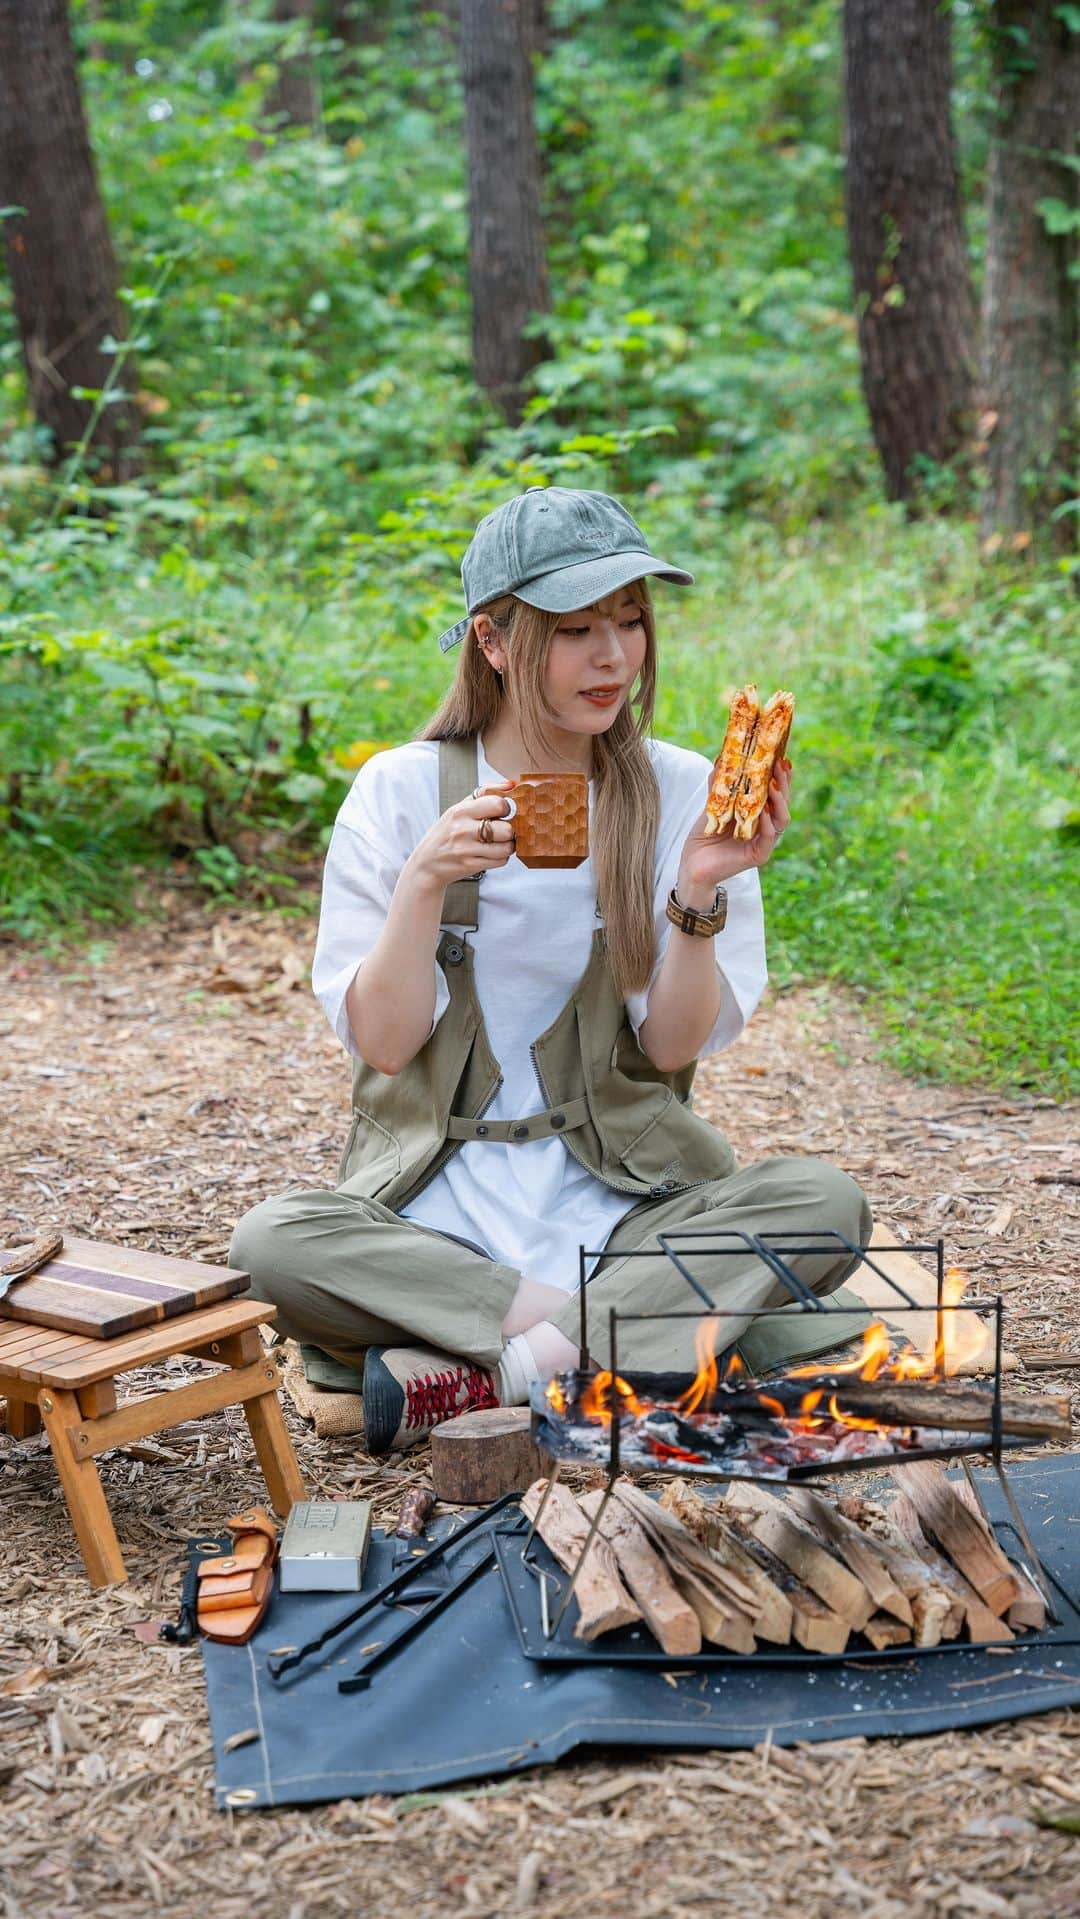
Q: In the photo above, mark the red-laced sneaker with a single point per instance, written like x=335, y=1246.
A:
x=407, y=1391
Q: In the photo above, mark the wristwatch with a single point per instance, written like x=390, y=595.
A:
x=705, y=925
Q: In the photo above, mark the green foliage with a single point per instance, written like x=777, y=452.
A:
x=192, y=665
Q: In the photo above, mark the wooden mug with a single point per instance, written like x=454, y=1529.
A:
x=551, y=818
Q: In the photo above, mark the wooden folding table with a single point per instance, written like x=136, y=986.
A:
x=68, y=1383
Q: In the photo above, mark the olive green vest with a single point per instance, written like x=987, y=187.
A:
x=624, y=1120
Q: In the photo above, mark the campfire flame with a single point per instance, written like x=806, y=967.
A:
x=958, y=1337
x=707, y=1372
x=596, y=1400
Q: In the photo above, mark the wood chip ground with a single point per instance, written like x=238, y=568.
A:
x=157, y=1085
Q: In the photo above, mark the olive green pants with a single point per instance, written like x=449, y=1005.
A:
x=346, y=1273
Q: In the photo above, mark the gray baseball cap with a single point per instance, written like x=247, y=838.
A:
x=556, y=548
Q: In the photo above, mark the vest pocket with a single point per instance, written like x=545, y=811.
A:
x=629, y=1118
x=648, y=1156
x=371, y=1160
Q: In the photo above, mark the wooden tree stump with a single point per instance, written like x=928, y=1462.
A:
x=480, y=1456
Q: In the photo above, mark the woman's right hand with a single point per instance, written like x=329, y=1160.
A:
x=453, y=850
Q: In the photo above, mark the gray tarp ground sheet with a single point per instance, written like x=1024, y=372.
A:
x=461, y=1701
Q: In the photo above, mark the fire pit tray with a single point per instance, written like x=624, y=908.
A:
x=635, y=1645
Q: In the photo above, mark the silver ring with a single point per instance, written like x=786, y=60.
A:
x=477, y=792
x=511, y=808
x=487, y=832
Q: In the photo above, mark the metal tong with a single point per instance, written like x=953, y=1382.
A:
x=388, y=1593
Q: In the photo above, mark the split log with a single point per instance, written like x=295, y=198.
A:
x=680, y=1549
x=702, y=1520
x=670, y=1618
x=602, y=1600
x=802, y=1553
x=938, y=1403
x=479, y=1456
x=983, y=1627
x=882, y=1630
x=1028, y=1610
x=814, y=1626
x=936, y=1612
x=720, y=1625
x=961, y=1536
x=724, y=1603
x=856, y=1550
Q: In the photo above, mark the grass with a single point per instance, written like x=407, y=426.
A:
x=930, y=865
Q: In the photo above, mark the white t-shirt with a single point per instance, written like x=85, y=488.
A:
x=530, y=1205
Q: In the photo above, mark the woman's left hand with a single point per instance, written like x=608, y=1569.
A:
x=709, y=860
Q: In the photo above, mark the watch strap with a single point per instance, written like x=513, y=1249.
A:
x=699, y=925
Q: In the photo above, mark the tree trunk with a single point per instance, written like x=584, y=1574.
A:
x=916, y=313
x=293, y=98
x=59, y=256
x=507, y=268
x=1029, y=304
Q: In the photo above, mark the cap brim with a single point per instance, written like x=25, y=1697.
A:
x=581, y=585
x=592, y=580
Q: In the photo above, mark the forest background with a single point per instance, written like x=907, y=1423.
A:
x=200, y=644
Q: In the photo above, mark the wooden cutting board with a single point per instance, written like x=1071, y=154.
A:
x=100, y=1290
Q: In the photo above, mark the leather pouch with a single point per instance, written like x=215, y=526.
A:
x=234, y=1589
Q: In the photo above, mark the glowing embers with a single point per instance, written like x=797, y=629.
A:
x=878, y=1404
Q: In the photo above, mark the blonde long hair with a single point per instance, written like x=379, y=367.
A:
x=626, y=809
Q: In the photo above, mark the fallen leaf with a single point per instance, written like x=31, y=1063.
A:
x=1001, y=1218
x=28, y=1680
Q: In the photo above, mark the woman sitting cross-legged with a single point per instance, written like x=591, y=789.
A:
x=525, y=1039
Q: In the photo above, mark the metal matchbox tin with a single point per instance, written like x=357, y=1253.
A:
x=325, y=1546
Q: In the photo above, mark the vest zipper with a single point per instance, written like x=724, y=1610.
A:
x=617, y=1185
x=441, y=1158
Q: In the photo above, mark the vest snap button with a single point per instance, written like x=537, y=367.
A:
x=520, y=1132
x=454, y=955
x=481, y=1132
x=558, y=1120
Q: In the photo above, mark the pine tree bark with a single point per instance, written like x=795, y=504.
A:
x=507, y=267
x=1030, y=295
x=916, y=311
x=59, y=256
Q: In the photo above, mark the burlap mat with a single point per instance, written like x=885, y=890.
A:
x=333, y=1415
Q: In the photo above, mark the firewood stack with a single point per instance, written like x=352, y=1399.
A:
x=800, y=1569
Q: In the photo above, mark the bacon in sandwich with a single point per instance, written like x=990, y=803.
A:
x=756, y=738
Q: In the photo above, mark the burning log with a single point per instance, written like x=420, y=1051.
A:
x=939, y=1404
x=670, y=1618
x=943, y=1514
x=803, y=1554
x=602, y=1600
